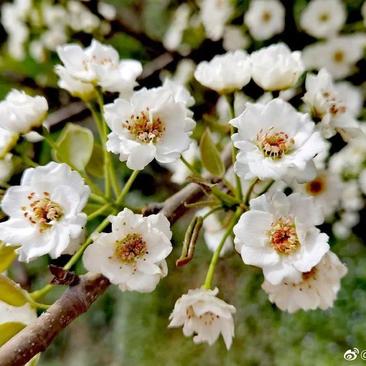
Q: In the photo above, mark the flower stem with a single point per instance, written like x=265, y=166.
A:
x=97, y=198
x=250, y=190
x=216, y=255
x=103, y=137
x=98, y=212
x=190, y=167
x=209, y=213
x=112, y=173
x=230, y=101
x=127, y=187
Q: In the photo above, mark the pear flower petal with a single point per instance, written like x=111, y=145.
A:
x=45, y=212
x=205, y=316
x=133, y=255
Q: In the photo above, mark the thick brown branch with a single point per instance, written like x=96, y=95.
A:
x=76, y=300
x=37, y=336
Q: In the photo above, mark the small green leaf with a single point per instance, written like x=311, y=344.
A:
x=75, y=146
x=9, y=330
x=95, y=165
x=7, y=256
x=210, y=156
x=225, y=198
x=11, y=293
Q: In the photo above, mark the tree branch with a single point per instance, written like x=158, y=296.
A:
x=36, y=337
x=76, y=300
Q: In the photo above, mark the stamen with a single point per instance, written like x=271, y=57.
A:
x=144, y=129
x=130, y=248
x=274, y=144
x=42, y=211
x=316, y=186
x=283, y=236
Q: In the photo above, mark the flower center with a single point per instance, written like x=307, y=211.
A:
x=283, y=237
x=338, y=56
x=274, y=144
x=42, y=211
x=144, y=128
x=324, y=17
x=266, y=16
x=130, y=248
x=207, y=318
x=316, y=186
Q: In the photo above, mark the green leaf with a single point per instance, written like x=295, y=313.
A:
x=11, y=293
x=95, y=165
x=75, y=146
x=9, y=330
x=225, y=198
x=7, y=256
x=210, y=156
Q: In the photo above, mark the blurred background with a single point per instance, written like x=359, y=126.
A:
x=131, y=328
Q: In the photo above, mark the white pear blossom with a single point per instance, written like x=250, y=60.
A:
x=100, y=65
x=179, y=92
x=132, y=256
x=225, y=73
x=154, y=123
x=323, y=18
x=350, y=161
x=325, y=190
x=324, y=102
x=317, y=288
x=75, y=87
x=272, y=148
x=173, y=36
x=6, y=168
x=214, y=15
x=338, y=55
x=234, y=38
x=108, y=11
x=351, y=95
x=351, y=196
x=265, y=18
x=19, y=112
x=184, y=71
x=279, y=235
x=342, y=228
x=13, y=17
x=203, y=315
x=276, y=67
x=45, y=212
x=7, y=141
x=79, y=18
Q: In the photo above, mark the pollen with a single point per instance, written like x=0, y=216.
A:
x=208, y=318
x=339, y=56
x=274, y=144
x=144, y=127
x=283, y=236
x=266, y=16
x=130, y=248
x=42, y=211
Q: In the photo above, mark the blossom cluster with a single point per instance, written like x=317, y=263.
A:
x=297, y=156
